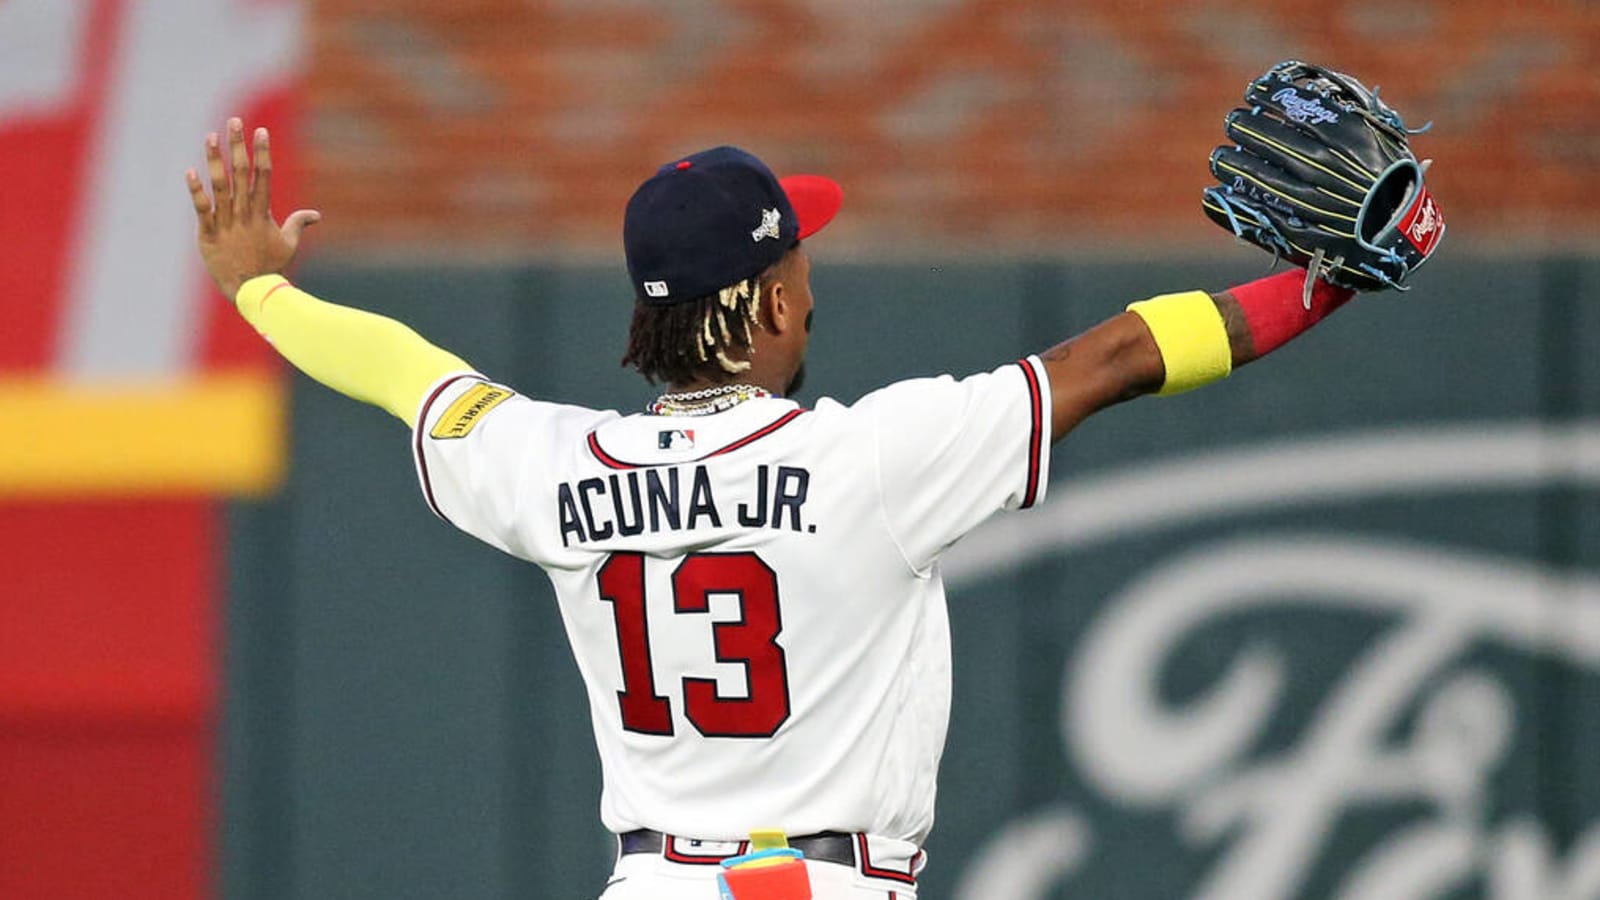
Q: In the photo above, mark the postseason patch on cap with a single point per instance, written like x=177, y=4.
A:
x=468, y=410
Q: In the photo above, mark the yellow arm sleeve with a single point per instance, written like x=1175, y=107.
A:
x=362, y=355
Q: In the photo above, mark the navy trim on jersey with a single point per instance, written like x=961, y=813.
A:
x=611, y=462
x=422, y=460
x=1036, y=435
x=867, y=868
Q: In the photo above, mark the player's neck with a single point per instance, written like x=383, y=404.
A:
x=773, y=364
x=763, y=374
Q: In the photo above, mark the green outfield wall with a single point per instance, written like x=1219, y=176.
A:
x=1330, y=629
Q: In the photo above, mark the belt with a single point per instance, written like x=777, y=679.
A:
x=830, y=846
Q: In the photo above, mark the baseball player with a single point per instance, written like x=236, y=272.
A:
x=750, y=586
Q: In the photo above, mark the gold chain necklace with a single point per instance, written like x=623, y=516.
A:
x=705, y=402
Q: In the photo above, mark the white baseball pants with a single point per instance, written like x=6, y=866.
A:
x=643, y=876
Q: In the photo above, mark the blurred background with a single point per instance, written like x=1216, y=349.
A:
x=1328, y=630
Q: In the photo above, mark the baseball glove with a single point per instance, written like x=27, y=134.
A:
x=1321, y=173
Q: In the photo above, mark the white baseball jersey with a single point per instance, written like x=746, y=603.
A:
x=753, y=597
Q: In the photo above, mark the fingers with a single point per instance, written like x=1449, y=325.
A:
x=202, y=204
x=241, y=182
x=240, y=157
x=220, y=192
x=297, y=223
x=261, y=186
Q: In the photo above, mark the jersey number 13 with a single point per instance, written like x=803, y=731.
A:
x=751, y=640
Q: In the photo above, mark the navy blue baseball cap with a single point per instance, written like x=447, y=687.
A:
x=711, y=220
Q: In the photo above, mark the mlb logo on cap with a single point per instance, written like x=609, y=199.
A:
x=711, y=220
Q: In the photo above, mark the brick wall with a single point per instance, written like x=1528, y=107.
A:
x=521, y=126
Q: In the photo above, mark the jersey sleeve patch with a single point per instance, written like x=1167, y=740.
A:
x=468, y=410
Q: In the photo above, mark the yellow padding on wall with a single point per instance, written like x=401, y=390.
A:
x=1192, y=337
x=218, y=434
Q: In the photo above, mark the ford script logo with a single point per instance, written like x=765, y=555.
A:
x=1414, y=724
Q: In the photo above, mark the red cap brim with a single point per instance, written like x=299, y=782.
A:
x=816, y=200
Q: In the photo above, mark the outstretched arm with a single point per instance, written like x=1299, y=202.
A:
x=363, y=356
x=368, y=357
x=1177, y=342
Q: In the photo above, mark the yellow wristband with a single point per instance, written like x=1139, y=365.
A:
x=1192, y=338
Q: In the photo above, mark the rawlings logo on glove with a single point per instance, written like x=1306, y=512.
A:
x=1321, y=173
x=1301, y=109
x=1423, y=225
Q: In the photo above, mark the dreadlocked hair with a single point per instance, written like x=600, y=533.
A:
x=697, y=338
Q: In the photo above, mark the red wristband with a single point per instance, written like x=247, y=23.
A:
x=1275, y=311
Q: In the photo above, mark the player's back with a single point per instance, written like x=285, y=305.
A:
x=751, y=596
x=785, y=660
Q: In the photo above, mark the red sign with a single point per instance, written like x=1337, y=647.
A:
x=107, y=310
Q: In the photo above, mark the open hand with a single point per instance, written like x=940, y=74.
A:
x=238, y=237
